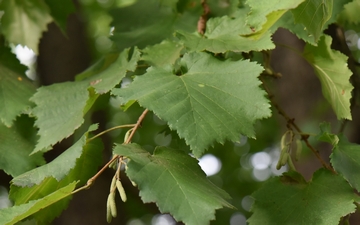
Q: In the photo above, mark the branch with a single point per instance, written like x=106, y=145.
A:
x=291, y=122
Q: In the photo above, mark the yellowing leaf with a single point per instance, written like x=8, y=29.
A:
x=331, y=68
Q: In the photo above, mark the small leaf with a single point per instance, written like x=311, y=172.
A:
x=350, y=12
x=331, y=68
x=314, y=14
x=289, y=199
x=326, y=134
x=167, y=52
x=16, y=145
x=59, y=110
x=345, y=159
x=15, y=87
x=110, y=77
x=175, y=182
x=24, y=21
x=191, y=103
x=12, y=215
x=58, y=168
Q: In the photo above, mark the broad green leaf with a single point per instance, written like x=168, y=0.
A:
x=24, y=21
x=326, y=134
x=16, y=146
x=345, y=159
x=60, y=10
x=331, y=68
x=226, y=34
x=192, y=102
x=15, y=88
x=167, y=52
x=59, y=110
x=175, y=182
x=12, y=215
x=350, y=12
x=314, y=14
x=58, y=168
x=110, y=77
x=289, y=199
x=263, y=10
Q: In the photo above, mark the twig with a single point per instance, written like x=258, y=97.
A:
x=110, y=129
x=201, y=26
x=137, y=125
x=117, y=157
x=93, y=178
x=290, y=121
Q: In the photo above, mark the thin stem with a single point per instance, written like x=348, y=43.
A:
x=110, y=129
x=137, y=125
x=116, y=157
x=93, y=178
x=291, y=122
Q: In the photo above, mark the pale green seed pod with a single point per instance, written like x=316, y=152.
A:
x=108, y=213
x=284, y=155
x=112, y=204
x=113, y=184
x=121, y=191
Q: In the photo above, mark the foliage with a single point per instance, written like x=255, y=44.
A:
x=201, y=78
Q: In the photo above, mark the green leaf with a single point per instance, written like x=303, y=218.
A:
x=289, y=199
x=110, y=77
x=58, y=168
x=102, y=64
x=60, y=10
x=151, y=22
x=24, y=21
x=314, y=14
x=16, y=145
x=350, y=12
x=226, y=34
x=59, y=110
x=15, y=214
x=167, y=52
x=263, y=10
x=15, y=88
x=326, y=134
x=331, y=68
x=191, y=103
x=345, y=159
x=175, y=182
x=287, y=22
x=72, y=165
